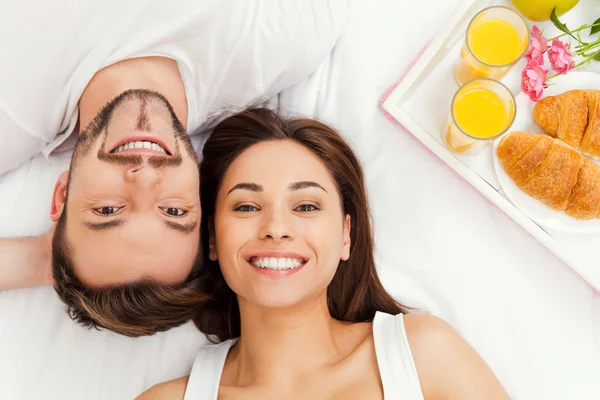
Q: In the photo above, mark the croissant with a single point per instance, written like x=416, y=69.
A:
x=573, y=117
x=552, y=172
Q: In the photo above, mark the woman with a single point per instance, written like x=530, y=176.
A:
x=297, y=308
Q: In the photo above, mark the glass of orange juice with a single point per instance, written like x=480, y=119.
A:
x=482, y=110
x=497, y=37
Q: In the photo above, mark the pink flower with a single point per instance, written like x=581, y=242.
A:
x=533, y=80
x=538, y=46
x=560, y=56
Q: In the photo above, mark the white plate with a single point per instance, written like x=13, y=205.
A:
x=534, y=209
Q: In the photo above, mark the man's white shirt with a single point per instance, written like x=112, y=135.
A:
x=230, y=53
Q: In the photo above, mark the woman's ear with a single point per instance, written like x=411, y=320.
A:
x=212, y=248
x=59, y=197
x=346, y=241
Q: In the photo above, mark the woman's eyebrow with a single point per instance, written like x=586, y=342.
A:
x=255, y=187
x=305, y=185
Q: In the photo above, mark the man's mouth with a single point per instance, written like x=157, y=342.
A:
x=277, y=263
x=140, y=145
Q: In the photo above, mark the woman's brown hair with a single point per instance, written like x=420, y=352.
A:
x=355, y=293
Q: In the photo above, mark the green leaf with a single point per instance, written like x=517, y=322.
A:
x=596, y=27
x=596, y=57
x=559, y=25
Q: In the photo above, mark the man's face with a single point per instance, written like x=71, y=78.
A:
x=133, y=208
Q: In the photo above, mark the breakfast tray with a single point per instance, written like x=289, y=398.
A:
x=421, y=103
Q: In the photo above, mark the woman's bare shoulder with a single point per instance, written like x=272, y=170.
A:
x=421, y=329
x=429, y=338
x=446, y=362
x=174, y=389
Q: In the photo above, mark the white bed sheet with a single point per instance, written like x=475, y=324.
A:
x=440, y=246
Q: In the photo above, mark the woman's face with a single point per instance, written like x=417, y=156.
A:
x=279, y=232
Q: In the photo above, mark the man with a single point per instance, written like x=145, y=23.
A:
x=130, y=81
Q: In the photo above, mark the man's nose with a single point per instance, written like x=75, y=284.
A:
x=143, y=176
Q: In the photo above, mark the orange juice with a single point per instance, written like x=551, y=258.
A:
x=495, y=42
x=496, y=39
x=480, y=113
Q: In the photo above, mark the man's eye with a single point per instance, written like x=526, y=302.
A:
x=175, y=212
x=106, y=210
x=306, y=208
x=246, y=208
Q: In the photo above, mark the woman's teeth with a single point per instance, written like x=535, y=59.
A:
x=140, y=144
x=276, y=263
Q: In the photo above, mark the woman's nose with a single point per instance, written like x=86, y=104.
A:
x=277, y=226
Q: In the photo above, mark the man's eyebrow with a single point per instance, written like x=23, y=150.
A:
x=183, y=228
x=305, y=185
x=102, y=226
x=254, y=187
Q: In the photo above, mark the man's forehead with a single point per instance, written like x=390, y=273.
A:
x=110, y=258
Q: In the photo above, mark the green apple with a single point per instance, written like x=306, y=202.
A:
x=539, y=10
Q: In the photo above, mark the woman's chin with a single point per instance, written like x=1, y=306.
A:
x=277, y=303
x=277, y=299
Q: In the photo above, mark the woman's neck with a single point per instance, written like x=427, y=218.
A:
x=278, y=344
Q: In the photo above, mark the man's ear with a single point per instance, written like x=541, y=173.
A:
x=59, y=196
x=346, y=242
x=212, y=248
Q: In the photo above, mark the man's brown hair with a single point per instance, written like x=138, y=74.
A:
x=355, y=293
x=132, y=309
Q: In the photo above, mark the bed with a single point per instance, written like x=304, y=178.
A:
x=441, y=247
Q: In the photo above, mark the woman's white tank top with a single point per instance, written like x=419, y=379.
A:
x=394, y=358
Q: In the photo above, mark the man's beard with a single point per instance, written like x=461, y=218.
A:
x=98, y=130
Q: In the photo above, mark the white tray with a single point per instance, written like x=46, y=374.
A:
x=421, y=103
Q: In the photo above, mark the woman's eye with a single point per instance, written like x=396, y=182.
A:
x=175, y=212
x=306, y=208
x=106, y=210
x=246, y=208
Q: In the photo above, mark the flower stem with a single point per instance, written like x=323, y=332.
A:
x=592, y=56
x=576, y=65
x=575, y=30
x=582, y=62
x=590, y=46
